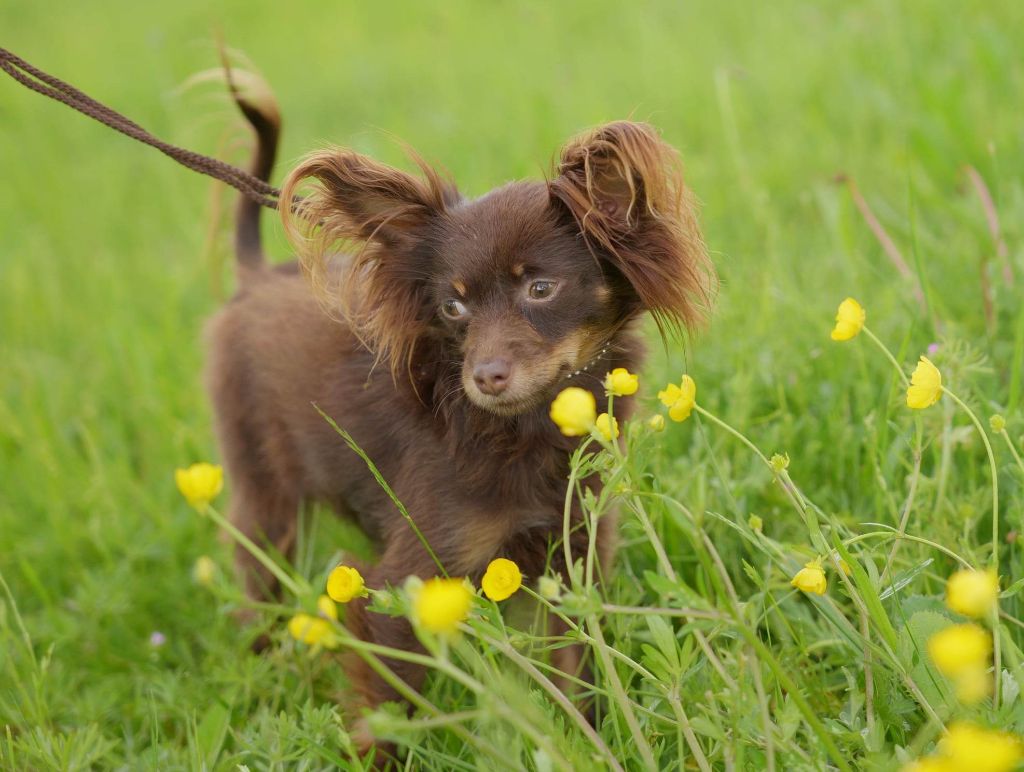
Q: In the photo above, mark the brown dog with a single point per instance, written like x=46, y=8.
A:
x=460, y=322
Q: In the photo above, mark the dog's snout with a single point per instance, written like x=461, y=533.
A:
x=491, y=377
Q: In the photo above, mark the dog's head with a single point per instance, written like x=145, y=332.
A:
x=519, y=287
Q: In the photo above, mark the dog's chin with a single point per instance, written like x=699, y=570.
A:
x=509, y=405
x=502, y=405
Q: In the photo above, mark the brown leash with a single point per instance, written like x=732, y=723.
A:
x=47, y=85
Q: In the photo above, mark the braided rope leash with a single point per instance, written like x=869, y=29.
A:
x=42, y=83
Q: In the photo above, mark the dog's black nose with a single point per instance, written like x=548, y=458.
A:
x=491, y=377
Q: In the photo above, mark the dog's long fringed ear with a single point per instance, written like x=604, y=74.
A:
x=624, y=186
x=375, y=214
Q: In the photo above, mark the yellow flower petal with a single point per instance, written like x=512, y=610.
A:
x=313, y=631
x=325, y=608
x=969, y=747
x=441, y=604
x=811, y=578
x=204, y=571
x=656, y=423
x=849, y=320
x=607, y=426
x=574, y=411
x=928, y=764
x=958, y=648
x=620, y=382
x=502, y=579
x=973, y=685
x=972, y=593
x=199, y=483
x=925, y=385
x=680, y=399
x=344, y=583
x=670, y=394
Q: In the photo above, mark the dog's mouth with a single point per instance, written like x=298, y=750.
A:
x=525, y=392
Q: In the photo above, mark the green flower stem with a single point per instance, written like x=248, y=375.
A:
x=996, y=648
x=909, y=504
x=762, y=702
x=814, y=528
x=869, y=676
x=583, y=637
x=567, y=512
x=719, y=576
x=442, y=665
x=888, y=354
x=782, y=476
x=553, y=691
x=370, y=656
x=383, y=484
x=787, y=683
x=659, y=549
x=894, y=534
x=619, y=693
x=294, y=587
x=684, y=725
x=992, y=469
x=1013, y=449
x=702, y=641
x=686, y=613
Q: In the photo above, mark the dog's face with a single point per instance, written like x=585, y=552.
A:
x=519, y=298
x=520, y=287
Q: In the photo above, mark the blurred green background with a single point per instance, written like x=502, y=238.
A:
x=105, y=281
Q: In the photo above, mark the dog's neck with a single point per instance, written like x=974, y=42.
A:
x=591, y=364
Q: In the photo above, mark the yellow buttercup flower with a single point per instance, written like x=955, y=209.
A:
x=970, y=747
x=620, y=382
x=973, y=685
x=929, y=764
x=607, y=426
x=849, y=320
x=501, y=579
x=972, y=593
x=574, y=411
x=656, y=423
x=440, y=604
x=925, y=385
x=313, y=631
x=204, y=571
x=958, y=648
x=670, y=394
x=344, y=583
x=200, y=483
x=679, y=399
x=811, y=578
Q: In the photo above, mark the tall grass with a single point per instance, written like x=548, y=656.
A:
x=809, y=132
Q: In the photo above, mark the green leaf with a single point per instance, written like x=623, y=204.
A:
x=211, y=731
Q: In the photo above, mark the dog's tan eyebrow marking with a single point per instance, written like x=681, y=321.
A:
x=459, y=287
x=518, y=270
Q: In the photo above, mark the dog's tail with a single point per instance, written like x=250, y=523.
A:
x=259, y=106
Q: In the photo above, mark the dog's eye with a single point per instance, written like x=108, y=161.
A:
x=542, y=290
x=453, y=309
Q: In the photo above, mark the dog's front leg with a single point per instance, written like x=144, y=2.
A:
x=403, y=557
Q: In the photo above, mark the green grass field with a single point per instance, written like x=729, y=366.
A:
x=715, y=662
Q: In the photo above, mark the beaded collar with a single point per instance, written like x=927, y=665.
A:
x=591, y=363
